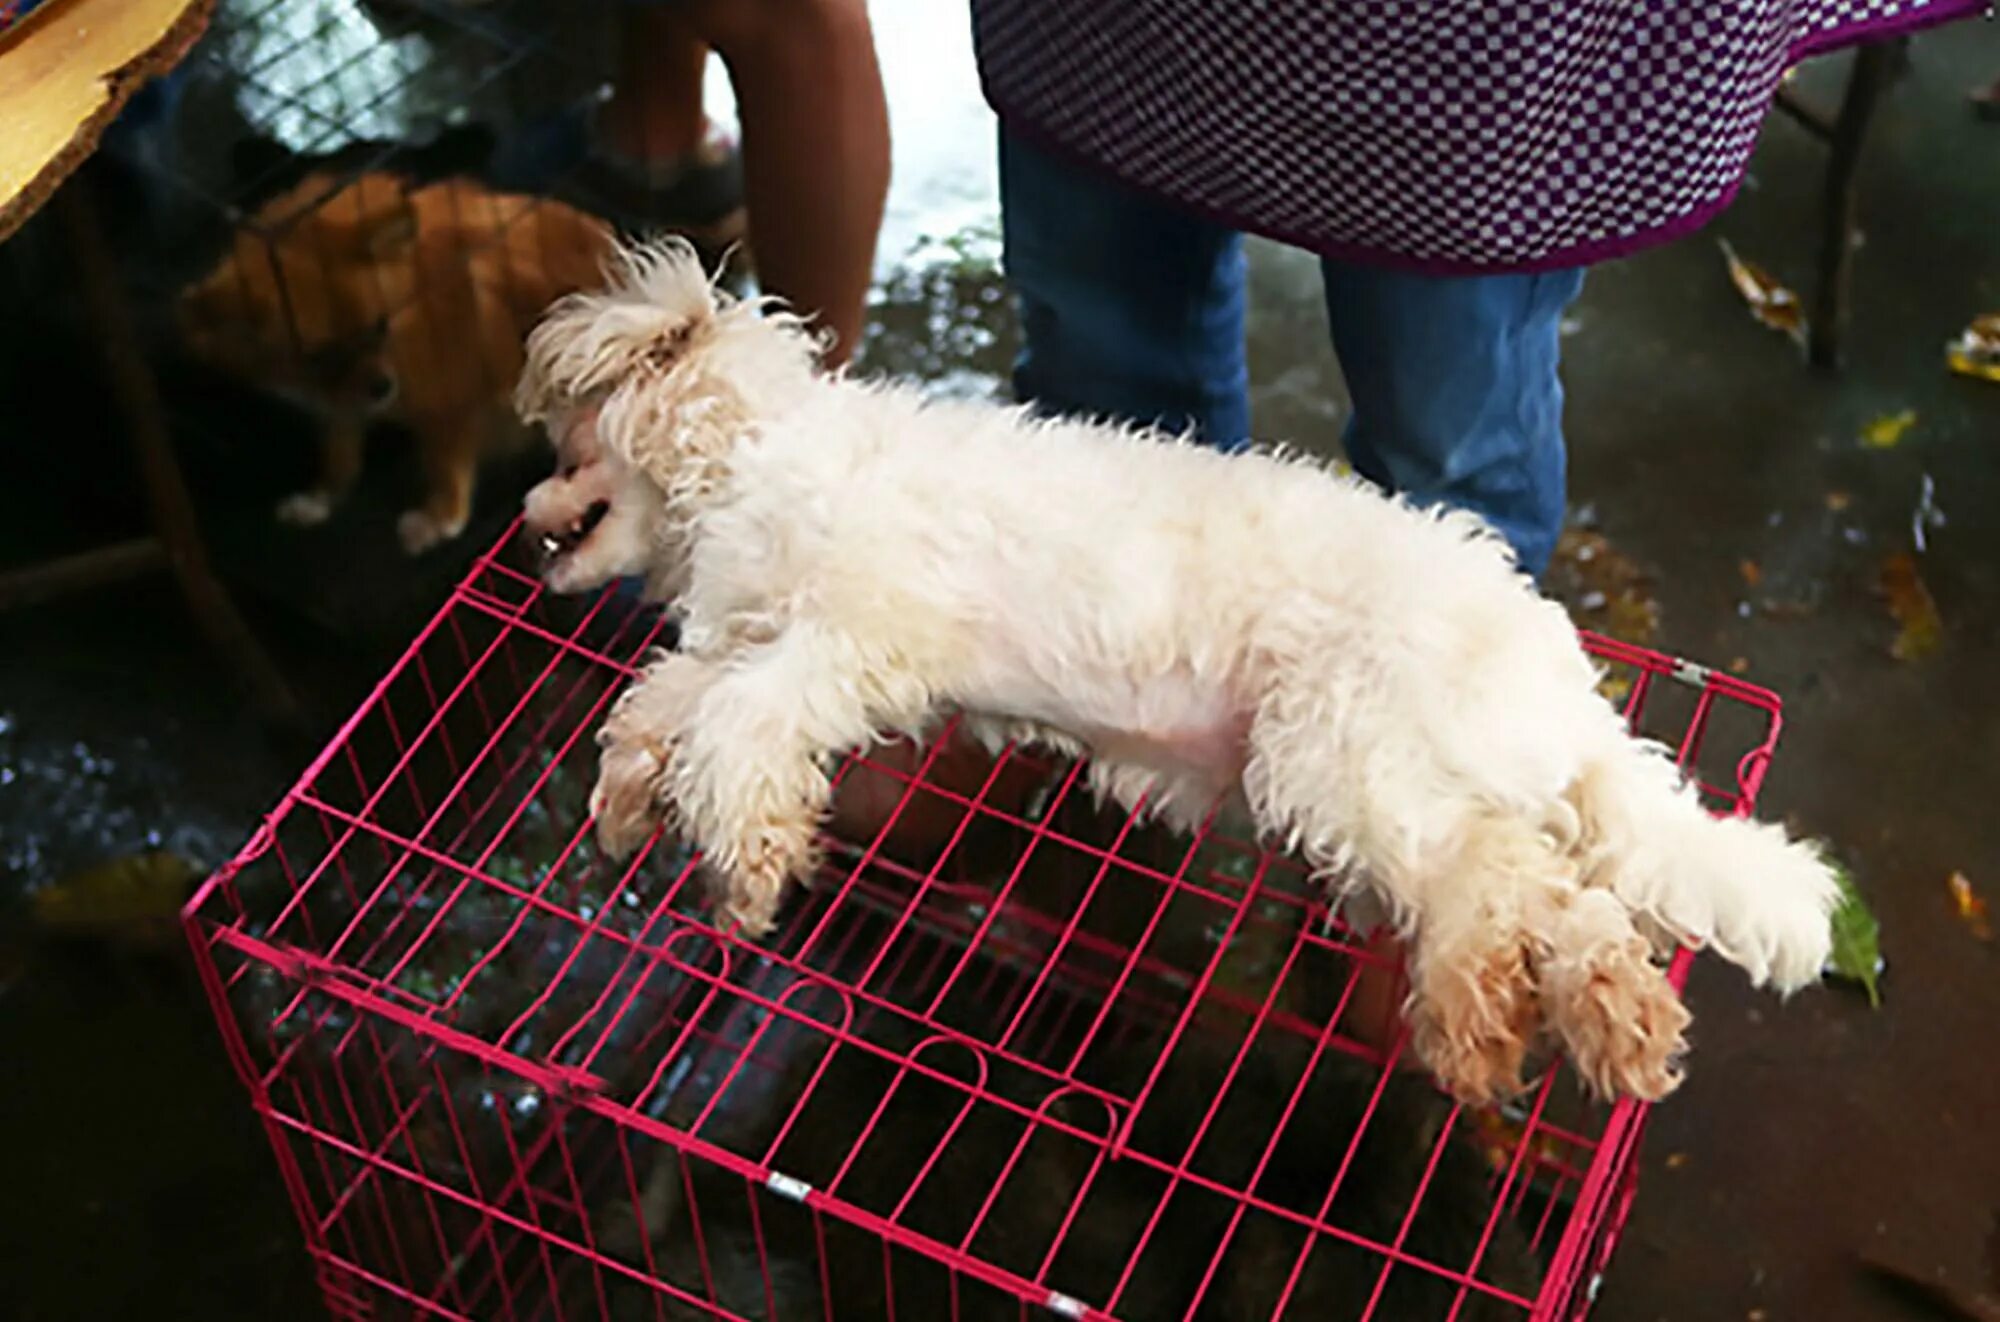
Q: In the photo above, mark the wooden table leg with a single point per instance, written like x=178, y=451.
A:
x=172, y=512
x=1874, y=67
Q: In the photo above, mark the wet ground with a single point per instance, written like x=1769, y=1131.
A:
x=1733, y=477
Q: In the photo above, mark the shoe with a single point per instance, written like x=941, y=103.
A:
x=698, y=196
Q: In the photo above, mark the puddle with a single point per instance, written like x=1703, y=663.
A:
x=67, y=803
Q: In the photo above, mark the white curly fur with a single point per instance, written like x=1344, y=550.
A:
x=1388, y=695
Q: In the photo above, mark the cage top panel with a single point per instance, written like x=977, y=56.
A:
x=1088, y=1020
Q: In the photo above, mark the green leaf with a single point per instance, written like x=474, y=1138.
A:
x=1857, y=944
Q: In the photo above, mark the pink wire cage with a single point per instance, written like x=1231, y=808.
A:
x=1068, y=1064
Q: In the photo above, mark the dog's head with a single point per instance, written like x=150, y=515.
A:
x=301, y=301
x=646, y=386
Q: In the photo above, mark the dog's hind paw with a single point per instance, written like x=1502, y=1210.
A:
x=1473, y=1014
x=1621, y=1020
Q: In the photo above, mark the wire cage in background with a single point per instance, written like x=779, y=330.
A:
x=496, y=95
x=1068, y=1064
x=359, y=207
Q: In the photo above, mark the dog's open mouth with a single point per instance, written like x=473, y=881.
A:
x=556, y=545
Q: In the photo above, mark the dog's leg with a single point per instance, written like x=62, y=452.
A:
x=1619, y=1018
x=637, y=740
x=1460, y=880
x=1181, y=800
x=448, y=448
x=1507, y=942
x=748, y=776
x=1472, y=1007
x=340, y=450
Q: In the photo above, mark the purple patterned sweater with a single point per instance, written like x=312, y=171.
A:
x=1442, y=135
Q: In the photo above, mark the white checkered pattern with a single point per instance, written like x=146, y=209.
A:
x=1463, y=133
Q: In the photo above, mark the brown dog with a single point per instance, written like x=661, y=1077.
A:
x=370, y=298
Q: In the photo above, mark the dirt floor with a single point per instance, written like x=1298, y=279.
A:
x=1732, y=479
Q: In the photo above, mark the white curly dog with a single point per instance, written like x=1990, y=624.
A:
x=1391, y=699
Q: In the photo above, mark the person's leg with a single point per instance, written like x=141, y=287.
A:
x=815, y=147
x=1129, y=308
x=655, y=109
x=656, y=159
x=1457, y=392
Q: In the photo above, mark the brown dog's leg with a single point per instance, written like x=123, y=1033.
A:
x=448, y=449
x=340, y=449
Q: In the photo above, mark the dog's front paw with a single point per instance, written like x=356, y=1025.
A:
x=305, y=509
x=420, y=531
x=626, y=800
x=754, y=872
x=748, y=896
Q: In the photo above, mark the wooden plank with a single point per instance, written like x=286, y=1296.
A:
x=65, y=76
x=77, y=573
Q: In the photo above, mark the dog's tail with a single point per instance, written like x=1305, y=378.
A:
x=1735, y=886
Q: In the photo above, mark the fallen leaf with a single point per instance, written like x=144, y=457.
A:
x=1615, y=688
x=1913, y=608
x=1770, y=302
x=1857, y=940
x=1971, y=906
x=1887, y=431
x=1634, y=617
x=135, y=898
x=1676, y=1160
x=1739, y=665
x=1752, y=573
x=1838, y=500
x=1603, y=588
x=1976, y=351
x=1787, y=610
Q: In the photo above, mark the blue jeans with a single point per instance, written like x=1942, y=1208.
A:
x=1133, y=308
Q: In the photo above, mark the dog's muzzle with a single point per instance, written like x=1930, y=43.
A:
x=555, y=544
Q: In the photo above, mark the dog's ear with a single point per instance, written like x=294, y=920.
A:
x=657, y=306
